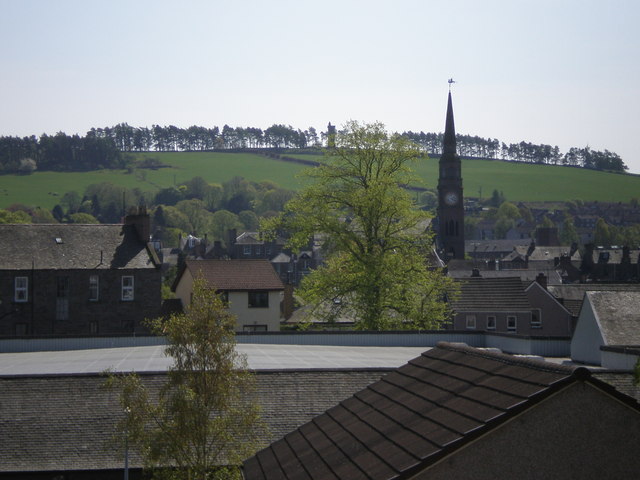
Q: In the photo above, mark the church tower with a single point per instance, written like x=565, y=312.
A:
x=450, y=206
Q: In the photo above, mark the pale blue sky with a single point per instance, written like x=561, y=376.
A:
x=565, y=73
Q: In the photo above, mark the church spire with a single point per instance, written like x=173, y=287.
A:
x=449, y=144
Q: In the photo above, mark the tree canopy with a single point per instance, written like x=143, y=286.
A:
x=375, y=238
x=205, y=420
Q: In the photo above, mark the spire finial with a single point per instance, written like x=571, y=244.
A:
x=450, y=81
x=449, y=128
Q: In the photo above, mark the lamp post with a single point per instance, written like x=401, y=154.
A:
x=127, y=411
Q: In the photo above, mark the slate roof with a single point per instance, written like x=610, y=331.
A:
x=413, y=417
x=72, y=246
x=253, y=238
x=51, y=423
x=618, y=314
x=576, y=291
x=236, y=274
x=526, y=275
x=491, y=294
x=571, y=295
x=497, y=247
x=615, y=255
x=622, y=381
x=542, y=253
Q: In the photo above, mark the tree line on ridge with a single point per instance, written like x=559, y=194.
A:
x=106, y=147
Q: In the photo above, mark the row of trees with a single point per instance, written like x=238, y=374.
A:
x=474, y=146
x=59, y=152
x=103, y=147
x=195, y=138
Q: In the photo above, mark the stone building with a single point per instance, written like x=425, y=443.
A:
x=71, y=279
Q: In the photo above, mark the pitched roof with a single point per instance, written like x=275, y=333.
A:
x=542, y=253
x=526, y=275
x=493, y=246
x=254, y=238
x=497, y=294
x=45, y=428
x=72, y=246
x=576, y=291
x=237, y=274
x=413, y=417
x=618, y=315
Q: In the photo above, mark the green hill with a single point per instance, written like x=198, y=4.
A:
x=518, y=181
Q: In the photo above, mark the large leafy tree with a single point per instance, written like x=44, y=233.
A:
x=205, y=419
x=375, y=239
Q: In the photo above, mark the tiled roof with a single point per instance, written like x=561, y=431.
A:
x=618, y=315
x=71, y=246
x=67, y=422
x=237, y=274
x=412, y=417
x=496, y=294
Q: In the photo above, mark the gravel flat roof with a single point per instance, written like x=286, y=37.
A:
x=152, y=359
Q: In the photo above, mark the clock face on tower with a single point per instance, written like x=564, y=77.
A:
x=451, y=198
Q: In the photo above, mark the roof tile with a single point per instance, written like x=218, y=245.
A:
x=415, y=414
x=237, y=274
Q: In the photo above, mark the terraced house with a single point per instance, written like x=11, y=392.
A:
x=71, y=279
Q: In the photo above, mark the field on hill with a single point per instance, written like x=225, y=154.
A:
x=518, y=181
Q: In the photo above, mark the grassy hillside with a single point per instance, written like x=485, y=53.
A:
x=518, y=181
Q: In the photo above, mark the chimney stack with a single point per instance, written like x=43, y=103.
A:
x=141, y=222
x=541, y=278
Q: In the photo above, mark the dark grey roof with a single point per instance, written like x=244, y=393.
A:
x=576, y=291
x=622, y=381
x=542, y=253
x=67, y=422
x=618, y=314
x=614, y=255
x=415, y=416
x=491, y=294
x=499, y=247
x=526, y=275
x=72, y=246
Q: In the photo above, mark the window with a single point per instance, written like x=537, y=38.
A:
x=491, y=322
x=254, y=328
x=258, y=299
x=471, y=322
x=224, y=296
x=511, y=323
x=267, y=250
x=127, y=288
x=258, y=251
x=246, y=250
x=21, y=292
x=93, y=328
x=62, y=298
x=536, y=318
x=94, y=288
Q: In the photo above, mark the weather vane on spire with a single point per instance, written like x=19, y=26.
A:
x=451, y=80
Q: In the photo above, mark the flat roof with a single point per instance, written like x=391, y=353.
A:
x=152, y=359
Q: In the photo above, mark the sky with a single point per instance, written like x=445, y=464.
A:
x=559, y=72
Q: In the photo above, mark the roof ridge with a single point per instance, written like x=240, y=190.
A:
x=541, y=365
